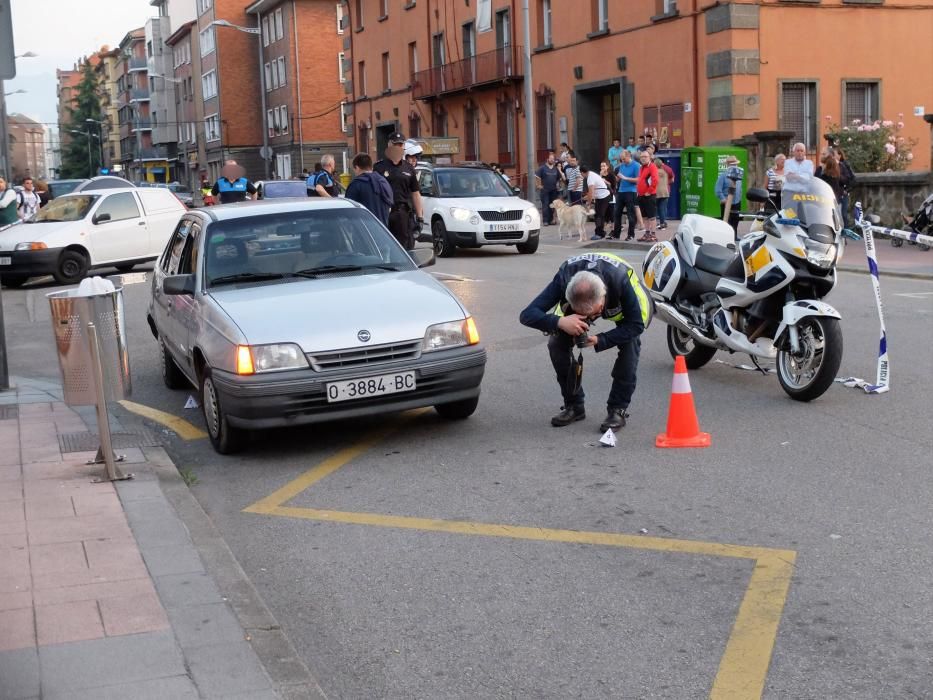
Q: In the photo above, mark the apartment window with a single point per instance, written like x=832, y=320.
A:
x=414, y=126
x=544, y=123
x=469, y=40
x=280, y=62
x=471, y=132
x=191, y=133
x=283, y=119
x=386, y=73
x=148, y=49
x=503, y=29
x=283, y=165
x=546, y=37
x=364, y=139
x=266, y=39
x=341, y=57
x=798, y=112
x=207, y=41
x=268, y=74
x=361, y=73
x=506, y=125
x=212, y=128
x=600, y=15
x=204, y=6
x=279, y=24
x=343, y=117
x=439, y=121
x=483, y=15
x=358, y=14
x=665, y=7
x=860, y=100
x=340, y=18
x=209, y=84
x=412, y=61
x=383, y=8
x=437, y=49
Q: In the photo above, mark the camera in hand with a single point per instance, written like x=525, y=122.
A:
x=580, y=340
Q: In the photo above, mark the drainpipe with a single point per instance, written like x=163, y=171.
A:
x=696, y=75
x=529, y=106
x=301, y=138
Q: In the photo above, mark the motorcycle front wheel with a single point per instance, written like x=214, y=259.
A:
x=695, y=354
x=808, y=374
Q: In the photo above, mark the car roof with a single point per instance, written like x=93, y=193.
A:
x=455, y=166
x=106, y=190
x=282, y=205
x=74, y=179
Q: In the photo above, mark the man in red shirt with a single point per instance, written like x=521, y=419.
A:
x=647, y=189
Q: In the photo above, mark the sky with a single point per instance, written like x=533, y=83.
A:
x=61, y=31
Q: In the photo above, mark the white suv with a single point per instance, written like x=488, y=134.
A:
x=470, y=206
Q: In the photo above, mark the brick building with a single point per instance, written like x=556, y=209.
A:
x=191, y=147
x=304, y=96
x=140, y=159
x=27, y=148
x=108, y=70
x=693, y=72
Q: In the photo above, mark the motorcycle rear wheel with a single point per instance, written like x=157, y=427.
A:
x=695, y=354
x=809, y=374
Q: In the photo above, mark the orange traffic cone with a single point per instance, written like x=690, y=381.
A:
x=683, y=429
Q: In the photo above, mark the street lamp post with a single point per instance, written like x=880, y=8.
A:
x=87, y=134
x=262, y=81
x=100, y=140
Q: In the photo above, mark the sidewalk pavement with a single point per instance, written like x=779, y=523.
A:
x=907, y=261
x=104, y=591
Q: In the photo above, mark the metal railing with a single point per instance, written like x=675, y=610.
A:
x=136, y=63
x=139, y=94
x=500, y=65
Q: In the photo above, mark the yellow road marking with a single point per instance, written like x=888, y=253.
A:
x=184, y=429
x=743, y=668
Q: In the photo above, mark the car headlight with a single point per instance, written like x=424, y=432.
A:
x=252, y=359
x=532, y=216
x=454, y=334
x=460, y=214
x=30, y=245
x=823, y=255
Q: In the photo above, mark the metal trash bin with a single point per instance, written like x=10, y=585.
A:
x=70, y=317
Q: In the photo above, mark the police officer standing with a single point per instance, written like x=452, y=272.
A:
x=232, y=185
x=406, y=197
x=586, y=288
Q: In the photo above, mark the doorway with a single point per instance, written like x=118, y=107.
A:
x=602, y=111
x=383, y=132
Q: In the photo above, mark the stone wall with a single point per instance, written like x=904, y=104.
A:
x=889, y=195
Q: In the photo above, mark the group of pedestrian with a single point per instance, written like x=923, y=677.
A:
x=632, y=181
x=18, y=205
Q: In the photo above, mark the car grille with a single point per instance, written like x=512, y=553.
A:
x=514, y=215
x=372, y=355
x=503, y=235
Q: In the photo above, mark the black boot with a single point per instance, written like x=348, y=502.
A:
x=568, y=415
x=615, y=420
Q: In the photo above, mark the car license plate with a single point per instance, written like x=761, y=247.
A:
x=6, y=261
x=370, y=386
x=504, y=227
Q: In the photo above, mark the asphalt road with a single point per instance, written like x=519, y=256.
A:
x=385, y=597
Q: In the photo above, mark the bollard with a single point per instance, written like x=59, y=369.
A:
x=105, y=451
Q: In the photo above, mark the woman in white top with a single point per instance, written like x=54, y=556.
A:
x=774, y=180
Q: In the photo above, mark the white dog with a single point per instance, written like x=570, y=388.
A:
x=569, y=218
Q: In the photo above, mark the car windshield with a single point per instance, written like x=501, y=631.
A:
x=57, y=189
x=284, y=188
x=816, y=209
x=470, y=182
x=71, y=208
x=311, y=243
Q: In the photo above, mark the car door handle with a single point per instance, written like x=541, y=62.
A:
x=141, y=223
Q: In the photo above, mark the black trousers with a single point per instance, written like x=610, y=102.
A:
x=733, y=217
x=602, y=208
x=625, y=201
x=400, y=226
x=624, y=371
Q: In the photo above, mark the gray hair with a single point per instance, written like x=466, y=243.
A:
x=585, y=292
x=779, y=155
x=801, y=144
x=327, y=159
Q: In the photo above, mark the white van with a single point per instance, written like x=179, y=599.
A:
x=80, y=231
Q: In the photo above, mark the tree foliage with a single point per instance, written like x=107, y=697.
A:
x=76, y=146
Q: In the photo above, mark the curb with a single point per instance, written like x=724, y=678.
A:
x=290, y=677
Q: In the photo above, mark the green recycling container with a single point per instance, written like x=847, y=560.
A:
x=699, y=169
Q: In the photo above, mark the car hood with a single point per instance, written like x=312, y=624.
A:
x=328, y=313
x=39, y=231
x=486, y=203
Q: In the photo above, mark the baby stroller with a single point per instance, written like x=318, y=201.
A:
x=921, y=222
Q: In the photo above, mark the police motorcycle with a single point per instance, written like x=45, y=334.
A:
x=760, y=295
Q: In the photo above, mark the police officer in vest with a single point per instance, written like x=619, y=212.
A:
x=322, y=182
x=232, y=185
x=585, y=289
x=406, y=195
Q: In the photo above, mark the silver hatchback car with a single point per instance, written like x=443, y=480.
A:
x=285, y=312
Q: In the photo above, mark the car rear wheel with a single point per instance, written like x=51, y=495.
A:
x=125, y=268
x=72, y=267
x=443, y=247
x=528, y=248
x=458, y=410
x=225, y=439
x=171, y=375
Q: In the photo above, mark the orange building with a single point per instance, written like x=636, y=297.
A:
x=693, y=72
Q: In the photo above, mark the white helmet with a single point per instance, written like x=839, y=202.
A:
x=412, y=148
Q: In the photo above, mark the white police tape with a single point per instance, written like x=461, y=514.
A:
x=903, y=235
x=882, y=380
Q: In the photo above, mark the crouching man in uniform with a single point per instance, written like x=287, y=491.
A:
x=586, y=288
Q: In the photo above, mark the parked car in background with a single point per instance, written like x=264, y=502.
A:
x=59, y=187
x=469, y=206
x=185, y=195
x=103, y=182
x=291, y=312
x=276, y=189
x=77, y=232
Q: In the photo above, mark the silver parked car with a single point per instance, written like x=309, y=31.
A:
x=298, y=311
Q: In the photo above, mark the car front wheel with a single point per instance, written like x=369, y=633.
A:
x=72, y=267
x=443, y=248
x=225, y=439
x=528, y=248
x=458, y=410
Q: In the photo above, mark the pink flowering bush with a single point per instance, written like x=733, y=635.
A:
x=873, y=147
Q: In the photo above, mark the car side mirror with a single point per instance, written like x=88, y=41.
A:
x=423, y=257
x=180, y=284
x=101, y=218
x=757, y=194
x=517, y=191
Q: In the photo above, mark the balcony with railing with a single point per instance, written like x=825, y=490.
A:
x=138, y=94
x=492, y=67
x=151, y=153
x=136, y=63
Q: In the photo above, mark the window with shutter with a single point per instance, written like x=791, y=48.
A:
x=545, y=127
x=505, y=119
x=798, y=112
x=860, y=101
x=471, y=132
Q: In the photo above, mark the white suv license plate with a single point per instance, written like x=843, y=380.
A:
x=370, y=386
x=6, y=261
x=505, y=227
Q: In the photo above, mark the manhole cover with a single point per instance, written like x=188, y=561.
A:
x=88, y=442
x=9, y=412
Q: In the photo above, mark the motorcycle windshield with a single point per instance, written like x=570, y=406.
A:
x=817, y=210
